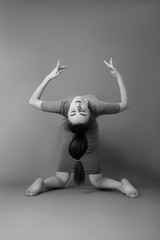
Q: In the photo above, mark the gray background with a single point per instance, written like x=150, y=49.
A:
x=34, y=34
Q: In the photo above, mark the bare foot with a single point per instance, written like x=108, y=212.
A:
x=35, y=188
x=128, y=189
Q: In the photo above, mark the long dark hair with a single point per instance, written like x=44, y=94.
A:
x=77, y=148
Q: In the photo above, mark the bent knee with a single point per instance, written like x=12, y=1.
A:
x=94, y=180
x=63, y=177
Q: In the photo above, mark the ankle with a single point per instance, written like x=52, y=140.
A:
x=44, y=185
x=121, y=187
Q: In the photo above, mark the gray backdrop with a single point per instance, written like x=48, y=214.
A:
x=33, y=35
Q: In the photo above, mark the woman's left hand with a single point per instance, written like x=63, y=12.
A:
x=113, y=70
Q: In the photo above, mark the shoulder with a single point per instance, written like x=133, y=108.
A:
x=92, y=99
x=90, y=96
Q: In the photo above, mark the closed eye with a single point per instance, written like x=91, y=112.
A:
x=84, y=114
x=81, y=113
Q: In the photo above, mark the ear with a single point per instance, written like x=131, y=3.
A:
x=89, y=107
x=67, y=116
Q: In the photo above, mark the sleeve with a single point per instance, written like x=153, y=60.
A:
x=99, y=107
x=107, y=108
x=52, y=106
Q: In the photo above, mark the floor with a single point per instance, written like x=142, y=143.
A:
x=78, y=214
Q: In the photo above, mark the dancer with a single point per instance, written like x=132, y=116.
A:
x=80, y=149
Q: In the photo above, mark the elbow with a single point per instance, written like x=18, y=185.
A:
x=31, y=101
x=124, y=106
x=127, y=106
x=35, y=103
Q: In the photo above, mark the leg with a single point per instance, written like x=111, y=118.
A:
x=54, y=182
x=106, y=183
x=58, y=181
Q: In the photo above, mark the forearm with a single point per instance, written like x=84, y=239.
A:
x=123, y=93
x=35, y=98
x=38, y=92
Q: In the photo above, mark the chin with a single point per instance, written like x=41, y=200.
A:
x=78, y=121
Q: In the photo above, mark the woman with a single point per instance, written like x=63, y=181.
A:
x=80, y=151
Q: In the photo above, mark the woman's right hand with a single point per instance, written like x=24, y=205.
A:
x=56, y=71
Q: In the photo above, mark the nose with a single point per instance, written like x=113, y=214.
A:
x=79, y=108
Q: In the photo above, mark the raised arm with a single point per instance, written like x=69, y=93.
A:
x=123, y=92
x=35, y=98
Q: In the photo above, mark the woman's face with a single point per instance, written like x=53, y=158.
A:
x=78, y=111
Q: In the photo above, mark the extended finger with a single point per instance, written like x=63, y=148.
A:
x=58, y=63
x=108, y=65
x=62, y=67
x=111, y=63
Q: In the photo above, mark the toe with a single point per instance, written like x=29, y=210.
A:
x=134, y=195
x=27, y=193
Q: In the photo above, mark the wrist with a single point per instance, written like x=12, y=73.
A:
x=48, y=78
x=115, y=74
x=52, y=76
